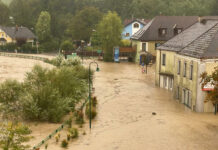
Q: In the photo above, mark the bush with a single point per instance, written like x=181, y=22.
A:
x=64, y=143
x=49, y=46
x=10, y=93
x=67, y=45
x=79, y=117
x=69, y=122
x=125, y=43
x=89, y=48
x=9, y=47
x=71, y=62
x=74, y=133
x=45, y=95
x=94, y=101
x=93, y=111
x=56, y=61
x=28, y=48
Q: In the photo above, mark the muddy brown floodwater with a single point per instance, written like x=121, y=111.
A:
x=127, y=99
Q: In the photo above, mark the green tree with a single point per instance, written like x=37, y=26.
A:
x=214, y=10
x=4, y=15
x=84, y=23
x=43, y=26
x=211, y=79
x=110, y=29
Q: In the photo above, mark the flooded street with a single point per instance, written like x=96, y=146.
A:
x=127, y=99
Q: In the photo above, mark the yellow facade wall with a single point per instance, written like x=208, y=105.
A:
x=4, y=35
x=169, y=66
x=150, y=47
x=185, y=82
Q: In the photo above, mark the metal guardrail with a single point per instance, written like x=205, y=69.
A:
x=23, y=56
x=49, y=137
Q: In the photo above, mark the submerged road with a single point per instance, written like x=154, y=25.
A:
x=126, y=100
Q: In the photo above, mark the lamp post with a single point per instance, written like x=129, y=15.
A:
x=90, y=105
x=82, y=45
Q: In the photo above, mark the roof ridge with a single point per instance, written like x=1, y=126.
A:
x=198, y=37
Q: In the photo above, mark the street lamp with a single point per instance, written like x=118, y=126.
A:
x=90, y=105
x=82, y=45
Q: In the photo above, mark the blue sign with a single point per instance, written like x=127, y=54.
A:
x=116, y=54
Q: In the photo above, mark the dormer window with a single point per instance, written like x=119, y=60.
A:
x=136, y=25
x=177, y=31
x=162, y=31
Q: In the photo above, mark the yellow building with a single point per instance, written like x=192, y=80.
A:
x=158, y=31
x=186, y=57
x=16, y=34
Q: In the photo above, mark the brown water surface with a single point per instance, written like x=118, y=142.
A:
x=127, y=99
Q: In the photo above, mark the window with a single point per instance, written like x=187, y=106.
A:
x=156, y=45
x=185, y=66
x=127, y=34
x=165, y=82
x=162, y=31
x=143, y=46
x=170, y=83
x=179, y=67
x=163, y=59
x=177, y=96
x=136, y=25
x=177, y=31
x=191, y=71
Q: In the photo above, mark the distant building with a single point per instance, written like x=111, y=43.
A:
x=181, y=60
x=159, y=30
x=15, y=35
x=132, y=26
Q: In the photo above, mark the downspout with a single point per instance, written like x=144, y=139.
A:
x=159, y=67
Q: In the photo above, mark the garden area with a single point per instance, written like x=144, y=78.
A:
x=53, y=98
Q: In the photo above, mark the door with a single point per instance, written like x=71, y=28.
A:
x=143, y=46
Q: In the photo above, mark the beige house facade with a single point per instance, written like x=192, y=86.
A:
x=186, y=60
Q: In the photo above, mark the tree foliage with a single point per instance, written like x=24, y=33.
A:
x=211, y=79
x=109, y=30
x=43, y=26
x=10, y=92
x=4, y=15
x=85, y=22
x=45, y=94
